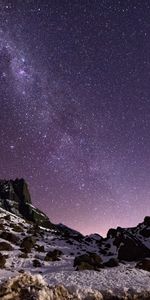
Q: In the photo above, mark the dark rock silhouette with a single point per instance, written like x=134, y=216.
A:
x=15, y=198
x=130, y=242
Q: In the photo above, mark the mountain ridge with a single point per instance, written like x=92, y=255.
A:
x=82, y=267
x=130, y=244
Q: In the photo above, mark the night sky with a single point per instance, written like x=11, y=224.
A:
x=75, y=108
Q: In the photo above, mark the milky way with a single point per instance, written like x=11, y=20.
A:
x=75, y=108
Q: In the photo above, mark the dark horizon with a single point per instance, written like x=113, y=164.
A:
x=75, y=108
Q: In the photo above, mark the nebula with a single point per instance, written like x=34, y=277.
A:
x=74, y=108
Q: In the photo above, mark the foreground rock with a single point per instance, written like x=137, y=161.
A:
x=29, y=287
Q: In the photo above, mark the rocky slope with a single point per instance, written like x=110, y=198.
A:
x=26, y=247
x=119, y=263
x=122, y=244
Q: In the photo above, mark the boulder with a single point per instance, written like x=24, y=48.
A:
x=39, y=248
x=144, y=264
x=2, y=261
x=16, y=228
x=2, y=227
x=53, y=255
x=131, y=250
x=23, y=255
x=9, y=236
x=4, y=246
x=112, y=262
x=28, y=243
x=90, y=261
x=7, y=218
x=36, y=263
x=24, y=286
x=86, y=266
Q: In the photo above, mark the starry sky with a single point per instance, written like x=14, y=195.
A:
x=75, y=108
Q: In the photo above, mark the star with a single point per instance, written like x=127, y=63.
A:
x=12, y=147
x=74, y=108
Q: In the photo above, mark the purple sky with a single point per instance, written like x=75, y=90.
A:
x=75, y=108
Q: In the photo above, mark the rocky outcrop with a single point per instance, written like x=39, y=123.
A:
x=132, y=244
x=70, y=233
x=147, y=221
x=124, y=244
x=131, y=250
x=15, y=198
x=15, y=190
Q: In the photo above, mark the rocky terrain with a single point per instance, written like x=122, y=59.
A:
x=72, y=266
x=15, y=198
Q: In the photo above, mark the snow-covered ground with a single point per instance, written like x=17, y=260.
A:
x=122, y=280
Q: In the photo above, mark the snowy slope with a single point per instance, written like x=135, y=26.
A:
x=120, y=280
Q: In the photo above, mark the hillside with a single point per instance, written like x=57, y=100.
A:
x=117, y=266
